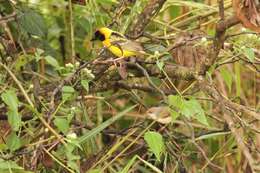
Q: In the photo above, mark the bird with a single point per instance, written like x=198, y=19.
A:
x=117, y=43
x=160, y=114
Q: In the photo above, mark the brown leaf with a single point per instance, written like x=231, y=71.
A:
x=248, y=12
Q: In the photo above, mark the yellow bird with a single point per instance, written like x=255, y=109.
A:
x=117, y=43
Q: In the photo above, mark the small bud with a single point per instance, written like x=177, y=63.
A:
x=203, y=39
x=77, y=64
x=31, y=86
x=243, y=29
x=69, y=65
x=72, y=135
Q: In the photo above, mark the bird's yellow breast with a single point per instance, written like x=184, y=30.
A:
x=118, y=51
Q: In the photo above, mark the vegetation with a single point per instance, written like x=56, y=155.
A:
x=190, y=104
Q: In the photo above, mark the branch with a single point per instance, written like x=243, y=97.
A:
x=218, y=98
x=144, y=18
x=8, y=18
x=218, y=42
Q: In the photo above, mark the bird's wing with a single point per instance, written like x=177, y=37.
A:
x=128, y=45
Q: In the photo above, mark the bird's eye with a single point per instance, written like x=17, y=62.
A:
x=97, y=33
x=99, y=36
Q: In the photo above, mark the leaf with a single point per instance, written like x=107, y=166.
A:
x=67, y=92
x=160, y=64
x=227, y=78
x=174, y=114
x=10, y=99
x=250, y=54
x=32, y=22
x=52, y=61
x=14, y=119
x=212, y=135
x=175, y=104
x=94, y=171
x=107, y=1
x=154, y=168
x=13, y=142
x=193, y=108
x=62, y=124
x=155, y=143
x=238, y=79
x=176, y=101
x=189, y=108
x=22, y=60
x=8, y=164
x=105, y=124
x=129, y=164
x=174, y=11
x=85, y=84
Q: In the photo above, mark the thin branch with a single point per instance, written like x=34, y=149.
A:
x=138, y=26
x=8, y=18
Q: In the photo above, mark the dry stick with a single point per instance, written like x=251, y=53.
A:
x=128, y=146
x=31, y=103
x=150, y=81
x=239, y=140
x=226, y=105
x=58, y=161
x=190, y=127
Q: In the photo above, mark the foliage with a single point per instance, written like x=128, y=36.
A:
x=65, y=108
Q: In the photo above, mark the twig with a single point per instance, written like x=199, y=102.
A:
x=8, y=18
x=31, y=103
x=150, y=81
x=138, y=26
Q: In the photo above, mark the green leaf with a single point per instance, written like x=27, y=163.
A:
x=238, y=79
x=32, y=22
x=52, y=61
x=107, y=1
x=175, y=100
x=14, y=119
x=129, y=164
x=62, y=124
x=174, y=114
x=67, y=92
x=176, y=103
x=10, y=99
x=227, y=76
x=104, y=125
x=160, y=64
x=207, y=136
x=85, y=84
x=174, y=11
x=13, y=142
x=8, y=164
x=94, y=171
x=192, y=108
x=250, y=54
x=155, y=143
x=189, y=108
x=22, y=60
